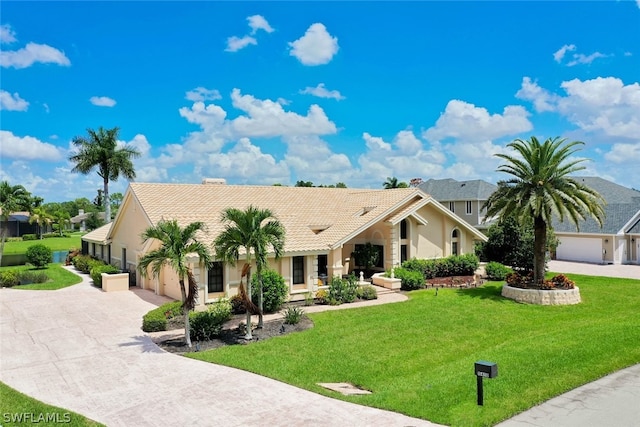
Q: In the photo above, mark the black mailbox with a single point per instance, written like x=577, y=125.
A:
x=486, y=369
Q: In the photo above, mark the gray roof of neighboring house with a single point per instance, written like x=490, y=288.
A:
x=622, y=205
x=451, y=190
x=85, y=216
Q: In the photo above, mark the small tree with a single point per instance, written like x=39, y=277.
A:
x=39, y=255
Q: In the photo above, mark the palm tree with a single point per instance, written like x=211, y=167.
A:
x=253, y=230
x=12, y=198
x=392, y=182
x=41, y=218
x=540, y=188
x=176, y=244
x=61, y=218
x=100, y=149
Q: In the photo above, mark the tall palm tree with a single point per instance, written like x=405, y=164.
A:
x=252, y=230
x=541, y=188
x=176, y=244
x=12, y=198
x=392, y=182
x=61, y=218
x=100, y=149
x=41, y=217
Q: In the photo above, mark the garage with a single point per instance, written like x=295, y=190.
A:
x=585, y=249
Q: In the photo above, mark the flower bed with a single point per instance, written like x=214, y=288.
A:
x=543, y=296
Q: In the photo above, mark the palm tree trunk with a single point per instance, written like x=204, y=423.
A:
x=260, y=298
x=185, y=311
x=539, y=246
x=105, y=201
x=248, y=335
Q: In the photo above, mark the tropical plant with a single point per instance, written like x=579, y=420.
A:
x=100, y=150
x=293, y=315
x=61, y=218
x=274, y=290
x=208, y=324
x=254, y=231
x=541, y=188
x=116, y=200
x=392, y=182
x=41, y=218
x=176, y=243
x=12, y=198
x=39, y=255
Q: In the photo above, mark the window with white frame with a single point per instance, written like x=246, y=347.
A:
x=468, y=207
x=298, y=270
x=452, y=206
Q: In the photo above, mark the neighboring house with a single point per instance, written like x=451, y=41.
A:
x=18, y=225
x=464, y=198
x=95, y=243
x=79, y=221
x=323, y=227
x=617, y=242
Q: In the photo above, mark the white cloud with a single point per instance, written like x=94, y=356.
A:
x=202, y=94
x=465, y=121
x=27, y=148
x=624, y=153
x=257, y=22
x=322, y=92
x=542, y=99
x=31, y=54
x=12, y=102
x=560, y=53
x=266, y=118
x=579, y=58
x=316, y=47
x=102, y=101
x=7, y=35
x=234, y=43
x=312, y=160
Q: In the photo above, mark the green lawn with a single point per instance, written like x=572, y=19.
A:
x=55, y=243
x=59, y=277
x=19, y=409
x=417, y=357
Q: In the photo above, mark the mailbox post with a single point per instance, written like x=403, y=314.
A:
x=484, y=369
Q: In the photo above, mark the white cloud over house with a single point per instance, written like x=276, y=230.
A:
x=322, y=92
x=315, y=47
x=12, y=102
x=102, y=101
x=27, y=148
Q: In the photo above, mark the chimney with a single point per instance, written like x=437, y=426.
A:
x=214, y=181
x=80, y=211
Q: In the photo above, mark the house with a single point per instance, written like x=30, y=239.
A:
x=95, y=243
x=80, y=221
x=18, y=225
x=617, y=242
x=464, y=198
x=323, y=227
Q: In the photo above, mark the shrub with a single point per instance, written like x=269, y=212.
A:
x=410, y=279
x=497, y=271
x=39, y=255
x=26, y=277
x=97, y=270
x=559, y=282
x=56, y=234
x=29, y=237
x=8, y=279
x=85, y=263
x=308, y=298
x=322, y=296
x=156, y=319
x=205, y=325
x=293, y=315
x=463, y=265
x=367, y=292
x=237, y=304
x=342, y=290
x=274, y=290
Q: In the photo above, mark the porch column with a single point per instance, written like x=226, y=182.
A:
x=335, y=263
x=392, y=257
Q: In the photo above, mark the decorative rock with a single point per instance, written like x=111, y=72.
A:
x=543, y=297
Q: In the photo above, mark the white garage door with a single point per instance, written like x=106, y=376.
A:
x=579, y=249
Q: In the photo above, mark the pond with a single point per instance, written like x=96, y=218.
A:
x=21, y=259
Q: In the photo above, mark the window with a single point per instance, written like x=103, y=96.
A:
x=403, y=253
x=454, y=242
x=215, y=278
x=468, y=207
x=361, y=251
x=452, y=206
x=403, y=229
x=298, y=270
x=322, y=265
x=123, y=261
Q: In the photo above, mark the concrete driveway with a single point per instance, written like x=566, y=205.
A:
x=82, y=349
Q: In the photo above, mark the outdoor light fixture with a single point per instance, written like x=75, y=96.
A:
x=484, y=369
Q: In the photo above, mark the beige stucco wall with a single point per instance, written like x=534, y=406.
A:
x=131, y=223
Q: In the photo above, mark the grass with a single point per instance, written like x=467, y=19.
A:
x=58, y=277
x=55, y=243
x=19, y=409
x=417, y=357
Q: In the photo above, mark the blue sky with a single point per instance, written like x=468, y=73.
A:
x=266, y=92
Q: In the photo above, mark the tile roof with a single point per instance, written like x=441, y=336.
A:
x=451, y=190
x=99, y=235
x=314, y=218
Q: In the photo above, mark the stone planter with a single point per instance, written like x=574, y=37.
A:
x=543, y=297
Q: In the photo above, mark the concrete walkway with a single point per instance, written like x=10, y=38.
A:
x=631, y=271
x=83, y=350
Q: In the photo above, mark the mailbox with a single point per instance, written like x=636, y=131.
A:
x=486, y=369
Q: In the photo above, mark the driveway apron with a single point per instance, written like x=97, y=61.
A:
x=83, y=350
